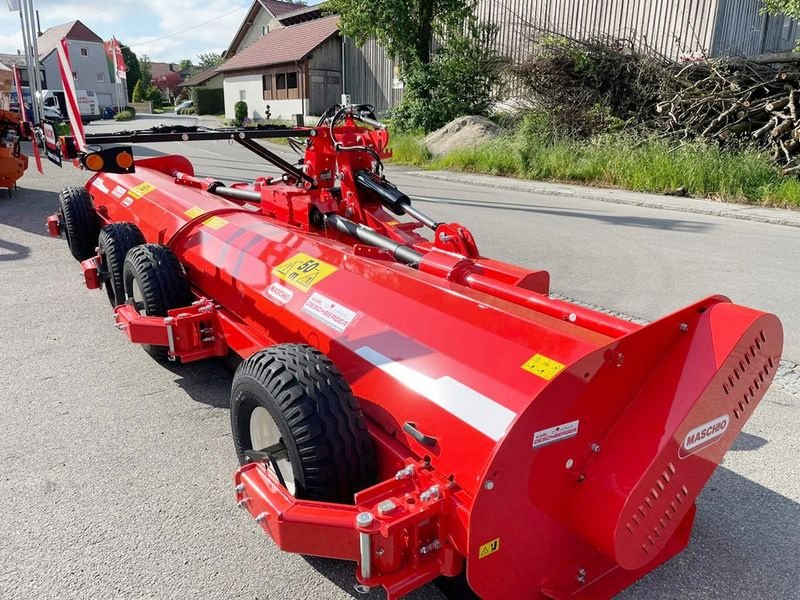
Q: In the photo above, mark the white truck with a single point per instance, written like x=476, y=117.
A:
x=55, y=105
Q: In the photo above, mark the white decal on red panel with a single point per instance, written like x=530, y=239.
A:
x=118, y=192
x=703, y=435
x=279, y=293
x=555, y=434
x=101, y=185
x=329, y=312
x=127, y=202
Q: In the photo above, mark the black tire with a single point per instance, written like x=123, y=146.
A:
x=320, y=422
x=113, y=245
x=161, y=281
x=81, y=225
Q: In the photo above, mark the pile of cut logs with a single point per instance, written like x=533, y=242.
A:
x=737, y=100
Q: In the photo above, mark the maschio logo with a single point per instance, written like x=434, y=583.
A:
x=703, y=436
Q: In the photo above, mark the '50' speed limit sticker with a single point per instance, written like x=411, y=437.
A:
x=303, y=271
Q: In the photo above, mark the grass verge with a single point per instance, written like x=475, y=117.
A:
x=649, y=165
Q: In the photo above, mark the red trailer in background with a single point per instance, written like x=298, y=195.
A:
x=404, y=402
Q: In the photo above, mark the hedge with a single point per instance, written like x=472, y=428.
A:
x=208, y=101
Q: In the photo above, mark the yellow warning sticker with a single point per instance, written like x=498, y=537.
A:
x=141, y=189
x=544, y=367
x=489, y=548
x=213, y=222
x=303, y=271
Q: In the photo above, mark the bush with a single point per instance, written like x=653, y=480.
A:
x=124, y=115
x=154, y=96
x=461, y=79
x=240, y=112
x=208, y=101
x=130, y=109
x=138, y=92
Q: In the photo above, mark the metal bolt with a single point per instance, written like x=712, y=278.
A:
x=595, y=448
x=361, y=588
x=261, y=516
x=432, y=547
x=364, y=519
x=489, y=485
x=572, y=317
x=241, y=503
x=684, y=327
x=569, y=463
x=432, y=493
x=581, y=575
x=444, y=238
x=403, y=473
x=620, y=359
x=240, y=488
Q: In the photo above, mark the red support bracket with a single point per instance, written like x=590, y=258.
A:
x=191, y=333
x=54, y=226
x=398, y=530
x=91, y=272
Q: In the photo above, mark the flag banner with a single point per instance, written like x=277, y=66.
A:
x=70, y=95
x=115, y=58
x=13, y=5
x=26, y=125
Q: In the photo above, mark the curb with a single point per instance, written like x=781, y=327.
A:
x=743, y=212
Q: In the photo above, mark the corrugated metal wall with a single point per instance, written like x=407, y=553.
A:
x=670, y=27
x=717, y=27
x=741, y=30
x=369, y=75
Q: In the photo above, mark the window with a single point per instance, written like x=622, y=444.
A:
x=101, y=78
x=75, y=75
x=243, y=95
x=268, y=87
x=286, y=86
x=264, y=30
x=84, y=52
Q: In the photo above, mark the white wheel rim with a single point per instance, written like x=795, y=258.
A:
x=138, y=296
x=264, y=433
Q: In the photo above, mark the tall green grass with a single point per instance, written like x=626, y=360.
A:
x=643, y=165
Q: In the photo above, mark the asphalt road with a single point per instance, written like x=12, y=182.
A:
x=117, y=471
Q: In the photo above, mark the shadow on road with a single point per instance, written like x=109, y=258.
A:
x=627, y=221
x=28, y=210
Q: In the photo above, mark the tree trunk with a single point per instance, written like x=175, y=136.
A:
x=425, y=31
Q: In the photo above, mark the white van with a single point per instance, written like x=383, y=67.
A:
x=53, y=100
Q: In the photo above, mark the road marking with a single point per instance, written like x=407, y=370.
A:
x=470, y=406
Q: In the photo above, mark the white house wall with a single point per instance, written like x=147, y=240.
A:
x=87, y=69
x=263, y=23
x=250, y=89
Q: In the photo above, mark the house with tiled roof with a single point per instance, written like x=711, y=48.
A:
x=88, y=58
x=292, y=70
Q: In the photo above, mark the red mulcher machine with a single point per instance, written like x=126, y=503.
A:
x=404, y=402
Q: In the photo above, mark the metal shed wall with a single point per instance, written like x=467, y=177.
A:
x=369, y=75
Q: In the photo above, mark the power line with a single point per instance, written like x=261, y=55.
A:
x=182, y=31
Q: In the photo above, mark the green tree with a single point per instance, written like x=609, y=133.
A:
x=132, y=62
x=145, y=71
x=406, y=28
x=206, y=60
x=186, y=65
x=138, y=92
x=790, y=8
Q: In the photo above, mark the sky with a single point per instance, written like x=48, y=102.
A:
x=165, y=30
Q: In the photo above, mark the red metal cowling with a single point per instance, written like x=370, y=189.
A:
x=557, y=450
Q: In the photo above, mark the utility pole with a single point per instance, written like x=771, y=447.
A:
x=27, y=19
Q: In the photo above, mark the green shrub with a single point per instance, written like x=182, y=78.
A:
x=208, y=101
x=130, y=109
x=138, y=92
x=154, y=96
x=240, y=112
x=124, y=115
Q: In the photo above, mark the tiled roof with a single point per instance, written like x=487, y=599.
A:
x=278, y=8
x=284, y=45
x=200, y=77
x=157, y=69
x=74, y=31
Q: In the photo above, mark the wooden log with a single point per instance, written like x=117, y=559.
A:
x=774, y=58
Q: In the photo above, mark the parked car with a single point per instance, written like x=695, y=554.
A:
x=183, y=106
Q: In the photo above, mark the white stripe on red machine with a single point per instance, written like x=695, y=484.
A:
x=70, y=94
x=470, y=406
x=23, y=112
